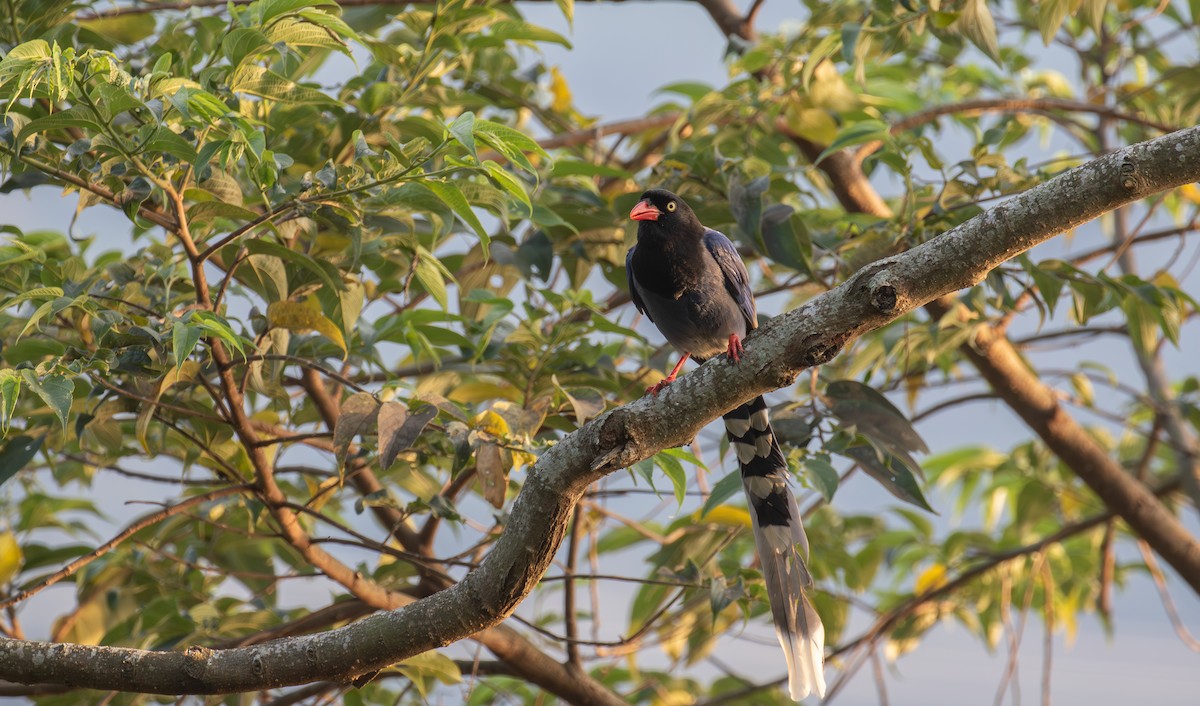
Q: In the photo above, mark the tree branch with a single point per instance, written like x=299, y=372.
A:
x=133, y=528
x=1036, y=403
x=775, y=355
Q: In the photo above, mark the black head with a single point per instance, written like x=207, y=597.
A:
x=661, y=210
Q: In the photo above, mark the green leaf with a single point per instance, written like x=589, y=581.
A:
x=745, y=201
x=873, y=415
x=509, y=183
x=450, y=194
x=725, y=489
x=219, y=327
x=204, y=105
x=891, y=472
x=431, y=275
x=327, y=19
x=1049, y=284
x=426, y=668
x=823, y=475
x=850, y=33
x=324, y=271
x=243, y=43
x=1051, y=14
x=514, y=31
x=567, y=7
x=694, y=90
x=71, y=117
x=183, y=339
x=303, y=32
x=786, y=238
x=10, y=391
x=124, y=29
x=164, y=140
x=856, y=133
x=573, y=167
x=535, y=256
x=674, y=471
x=57, y=391
x=824, y=49
x=976, y=24
x=264, y=83
x=270, y=9
x=19, y=451
x=34, y=293
x=511, y=143
x=210, y=210
x=115, y=100
x=463, y=130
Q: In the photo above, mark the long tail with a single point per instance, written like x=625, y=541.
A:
x=782, y=546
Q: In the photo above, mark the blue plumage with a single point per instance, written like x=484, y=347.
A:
x=693, y=285
x=737, y=280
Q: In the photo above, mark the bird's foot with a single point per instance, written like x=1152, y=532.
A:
x=735, y=348
x=658, y=386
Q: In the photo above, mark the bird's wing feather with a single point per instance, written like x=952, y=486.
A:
x=737, y=280
x=633, y=288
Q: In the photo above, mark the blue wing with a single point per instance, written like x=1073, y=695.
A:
x=737, y=280
x=633, y=288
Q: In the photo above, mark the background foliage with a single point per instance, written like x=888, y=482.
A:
x=359, y=298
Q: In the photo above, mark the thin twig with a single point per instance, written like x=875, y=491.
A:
x=570, y=620
x=1164, y=594
x=137, y=525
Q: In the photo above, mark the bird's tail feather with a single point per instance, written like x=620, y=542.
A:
x=782, y=545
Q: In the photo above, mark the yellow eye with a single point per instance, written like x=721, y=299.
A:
x=671, y=206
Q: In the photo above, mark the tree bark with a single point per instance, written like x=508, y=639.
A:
x=775, y=354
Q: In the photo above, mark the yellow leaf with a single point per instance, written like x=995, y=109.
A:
x=725, y=515
x=301, y=317
x=930, y=579
x=1191, y=192
x=492, y=423
x=320, y=493
x=479, y=391
x=523, y=458
x=913, y=384
x=11, y=557
x=812, y=123
x=560, y=90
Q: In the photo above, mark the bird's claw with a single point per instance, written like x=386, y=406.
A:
x=735, y=348
x=658, y=386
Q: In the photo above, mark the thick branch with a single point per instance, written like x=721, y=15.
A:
x=775, y=355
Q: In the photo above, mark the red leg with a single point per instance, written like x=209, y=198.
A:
x=656, y=387
x=735, y=348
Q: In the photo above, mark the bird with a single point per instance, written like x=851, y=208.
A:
x=692, y=284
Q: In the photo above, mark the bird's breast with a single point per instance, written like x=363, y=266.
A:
x=696, y=320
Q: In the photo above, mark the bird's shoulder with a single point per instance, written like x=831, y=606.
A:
x=733, y=269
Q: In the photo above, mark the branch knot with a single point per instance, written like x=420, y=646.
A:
x=196, y=661
x=1131, y=178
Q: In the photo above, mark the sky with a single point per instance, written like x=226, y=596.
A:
x=622, y=53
